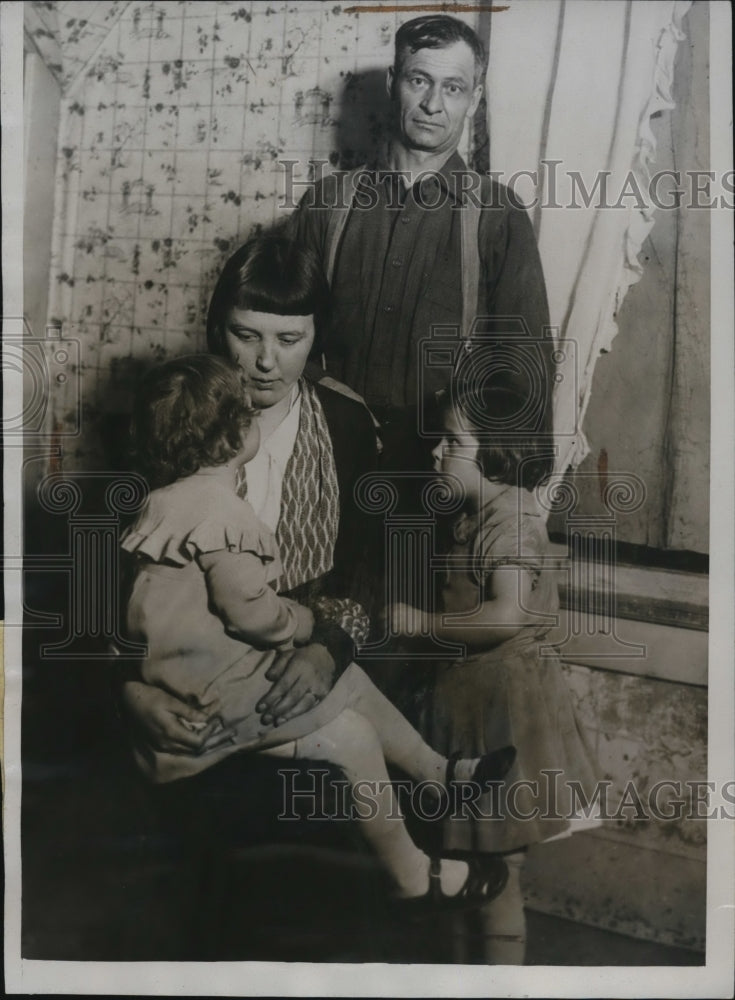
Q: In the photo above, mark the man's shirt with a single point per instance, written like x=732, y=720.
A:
x=397, y=274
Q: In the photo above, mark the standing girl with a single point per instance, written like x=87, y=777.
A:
x=499, y=598
x=205, y=603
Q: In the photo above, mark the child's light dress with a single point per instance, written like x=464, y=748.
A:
x=204, y=601
x=509, y=694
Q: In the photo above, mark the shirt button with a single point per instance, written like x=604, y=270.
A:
x=387, y=309
x=397, y=262
x=405, y=219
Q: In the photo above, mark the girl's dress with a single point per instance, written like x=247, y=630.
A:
x=510, y=694
x=204, y=602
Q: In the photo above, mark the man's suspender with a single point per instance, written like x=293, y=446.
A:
x=470, y=261
x=470, y=256
x=338, y=220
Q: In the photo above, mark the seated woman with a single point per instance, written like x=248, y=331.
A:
x=266, y=307
x=204, y=604
x=268, y=313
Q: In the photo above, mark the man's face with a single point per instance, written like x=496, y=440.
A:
x=435, y=91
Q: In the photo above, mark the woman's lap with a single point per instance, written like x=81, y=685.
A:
x=253, y=798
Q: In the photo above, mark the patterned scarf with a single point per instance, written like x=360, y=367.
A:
x=307, y=527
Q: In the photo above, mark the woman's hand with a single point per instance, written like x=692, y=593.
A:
x=170, y=725
x=302, y=677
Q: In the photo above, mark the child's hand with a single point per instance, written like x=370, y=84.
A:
x=405, y=620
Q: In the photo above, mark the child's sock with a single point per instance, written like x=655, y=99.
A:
x=503, y=919
x=491, y=766
x=465, y=768
x=412, y=874
x=421, y=762
x=425, y=764
x=453, y=876
x=431, y=766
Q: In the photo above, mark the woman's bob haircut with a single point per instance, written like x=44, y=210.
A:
x=271, y=273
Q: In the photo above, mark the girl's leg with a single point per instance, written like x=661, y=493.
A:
x=503, y=919
x=401, y=744
x=351, y=742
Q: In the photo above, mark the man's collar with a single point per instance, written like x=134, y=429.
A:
x=445, y=176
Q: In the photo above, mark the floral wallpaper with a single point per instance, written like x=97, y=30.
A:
x=168, y=159
x=68, y=33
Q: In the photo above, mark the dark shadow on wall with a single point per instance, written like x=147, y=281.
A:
x=365, y=118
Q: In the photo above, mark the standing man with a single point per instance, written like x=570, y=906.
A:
x=417, y=241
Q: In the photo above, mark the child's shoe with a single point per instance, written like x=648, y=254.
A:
x=486, y=879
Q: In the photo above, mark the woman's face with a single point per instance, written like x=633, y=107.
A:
x=270, y=349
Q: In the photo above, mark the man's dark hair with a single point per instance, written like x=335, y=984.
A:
x=189, y=413
x=270, y=273
x=509, y=451
x=437, y=31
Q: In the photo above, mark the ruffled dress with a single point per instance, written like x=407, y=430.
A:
x=514, y=693
x=204, y=602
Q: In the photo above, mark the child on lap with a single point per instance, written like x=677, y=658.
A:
x=204, y=601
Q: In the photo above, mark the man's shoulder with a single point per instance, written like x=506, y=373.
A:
x=350, y=424
x=482, y=190
x=346, y=412
x=494, y=195
x=331, y=191
x=338, y=398
x=502, y=213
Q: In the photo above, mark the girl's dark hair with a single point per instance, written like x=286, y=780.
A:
x=274, y=274
x=188, y=413
x=511, y=449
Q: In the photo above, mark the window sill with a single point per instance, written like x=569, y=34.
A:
x=634, y=620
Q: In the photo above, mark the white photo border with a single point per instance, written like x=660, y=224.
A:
x=715, y=979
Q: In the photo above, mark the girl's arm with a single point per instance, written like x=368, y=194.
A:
x=239, y=594
x=499, y=617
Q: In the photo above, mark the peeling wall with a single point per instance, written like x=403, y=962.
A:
x=637, y=874
x=649, y=409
